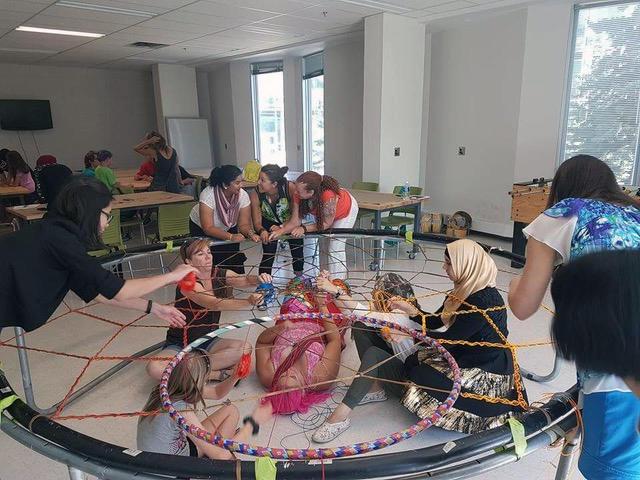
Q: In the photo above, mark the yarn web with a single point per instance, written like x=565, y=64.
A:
x=361, y=281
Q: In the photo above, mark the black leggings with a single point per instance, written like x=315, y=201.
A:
x=372, y=350
x=226, y=255
x=269, y=254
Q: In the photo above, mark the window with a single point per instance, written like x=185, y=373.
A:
x=267, y=87
x=604, y=98
x=313, y=111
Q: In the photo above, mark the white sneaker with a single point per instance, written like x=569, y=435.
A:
x=329, y=431
x=379, y=396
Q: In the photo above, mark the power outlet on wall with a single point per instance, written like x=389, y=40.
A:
x=396, y=152
x=462, y=151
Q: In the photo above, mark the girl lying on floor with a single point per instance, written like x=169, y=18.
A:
x=293, y=357
x=203, y=306
x=485, y=370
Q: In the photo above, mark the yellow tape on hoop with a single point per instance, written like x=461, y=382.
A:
x=169, y=245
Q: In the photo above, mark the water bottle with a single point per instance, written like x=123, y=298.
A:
x=406, y=190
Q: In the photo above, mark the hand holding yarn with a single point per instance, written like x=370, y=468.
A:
x=188, y=282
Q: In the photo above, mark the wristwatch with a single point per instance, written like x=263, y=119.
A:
x=254, y=424
x=338, y=293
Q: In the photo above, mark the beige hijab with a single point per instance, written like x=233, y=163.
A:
x=473, y=270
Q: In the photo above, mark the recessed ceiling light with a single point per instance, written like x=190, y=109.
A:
x=23, y=28
x=104, y=8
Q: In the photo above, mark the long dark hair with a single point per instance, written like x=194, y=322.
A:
x=3, y=159
x=223, y=176
x=317, y=183
x=16, y=164
x=584, y=176
x=81, y=200
x=597, y=300
x=276, y=174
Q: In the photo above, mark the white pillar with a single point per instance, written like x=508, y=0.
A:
x=175, y=92
x=394, y=49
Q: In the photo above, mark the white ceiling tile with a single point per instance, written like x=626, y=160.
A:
x=10, y=19
x=200, y=19
x=156, y=35
x=23, y=6
x=289, y=23
x=21, y=57
x=329, y=16
x=229, y=11
x=77, y=16
x=150, y=6
x=164, y=23
x=450, y=6
x=278, y=6
x=356, y=7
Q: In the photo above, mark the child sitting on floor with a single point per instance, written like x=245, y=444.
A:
x=187, y=388
x=203, y=306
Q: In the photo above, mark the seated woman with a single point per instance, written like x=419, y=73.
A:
x=18, y=173
x=202, y=307
x=90, y=163
x=381, y=354
x=187, y=388
x=300, y=359
x=485, y=370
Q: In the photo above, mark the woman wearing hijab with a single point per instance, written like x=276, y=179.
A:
x=224, y=213
x=485, y=370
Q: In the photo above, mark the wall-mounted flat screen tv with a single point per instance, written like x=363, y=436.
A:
x=25, y=115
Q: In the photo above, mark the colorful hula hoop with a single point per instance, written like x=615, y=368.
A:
x=312, y=453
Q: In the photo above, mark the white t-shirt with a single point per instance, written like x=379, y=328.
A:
x=208, y=198
x=556, y=233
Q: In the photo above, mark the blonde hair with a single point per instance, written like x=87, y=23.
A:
x=185, y=383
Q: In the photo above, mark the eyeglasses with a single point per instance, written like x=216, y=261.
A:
x=109, y=216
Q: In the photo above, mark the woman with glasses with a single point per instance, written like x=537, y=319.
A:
x=46, y=259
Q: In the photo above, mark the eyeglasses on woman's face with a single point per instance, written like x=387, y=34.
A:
x=108, y=215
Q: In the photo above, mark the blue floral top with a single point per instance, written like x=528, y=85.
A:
x=600, y=226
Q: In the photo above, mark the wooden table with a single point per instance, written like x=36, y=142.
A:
x=129, y=201
x=126, y=176
x=379, y=202
x=6, y=191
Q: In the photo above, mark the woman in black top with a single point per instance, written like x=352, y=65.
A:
x=167, y=177
x=486, y=371
x=202, y=307
x=271, y=207
x=46, y=259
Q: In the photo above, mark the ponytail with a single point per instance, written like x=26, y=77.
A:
x=224, y=175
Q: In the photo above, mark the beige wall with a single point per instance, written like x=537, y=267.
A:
x=91, y=109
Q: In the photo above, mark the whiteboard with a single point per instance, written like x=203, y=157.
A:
x=190, y=138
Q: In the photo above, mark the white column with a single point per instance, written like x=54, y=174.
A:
x=394, y=49
x=175, y=92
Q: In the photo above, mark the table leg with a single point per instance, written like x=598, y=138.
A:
x=519, y=242
x=377, y=244
x=417, y=227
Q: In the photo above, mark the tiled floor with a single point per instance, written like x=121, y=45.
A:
x=127, y=391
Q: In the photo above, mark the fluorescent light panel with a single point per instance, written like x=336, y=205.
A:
x=24, y=28
x=104, y=8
